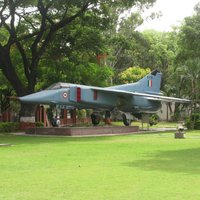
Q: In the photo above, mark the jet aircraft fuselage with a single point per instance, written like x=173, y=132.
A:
x=141, y=97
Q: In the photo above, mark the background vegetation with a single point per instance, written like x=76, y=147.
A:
x=93, y=42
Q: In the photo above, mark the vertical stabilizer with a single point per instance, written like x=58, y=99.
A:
x=150, y=83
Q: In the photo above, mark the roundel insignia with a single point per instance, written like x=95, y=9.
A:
x=65, y=95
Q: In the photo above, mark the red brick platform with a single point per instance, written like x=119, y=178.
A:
x=73, y=131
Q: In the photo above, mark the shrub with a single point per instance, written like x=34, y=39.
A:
x=197, y=125
x=193, y=122
x=39, y=124
x=6, y=127
x=189, y=123
x=81, y=113
x=153, y=119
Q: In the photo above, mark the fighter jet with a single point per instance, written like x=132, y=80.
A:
x=134, y=99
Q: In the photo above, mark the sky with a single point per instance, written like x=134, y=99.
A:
x=173, y=13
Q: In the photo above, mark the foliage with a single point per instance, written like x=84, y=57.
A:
x=186, y=75
x=148, y=49
x=49, y=112
x=30, y=29
x=43, y=42
x=81, y=113
x=66, y=71
x=133, y=74
x=153, y=119
x=197, y=125
x=123, y=45
x=5, y=91
x=4, y=100
x=193, y=122
x=7, y=127
x=188, y=38
x=160, y=49
x=39, y=124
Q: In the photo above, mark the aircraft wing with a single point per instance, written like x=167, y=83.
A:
x=151, y=97
x=163, y=98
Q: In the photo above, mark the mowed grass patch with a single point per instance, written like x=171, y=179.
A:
x=149, y=166
x=161, y=124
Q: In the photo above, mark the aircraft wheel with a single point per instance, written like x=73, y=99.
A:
x=95, y=119
x=126, y=121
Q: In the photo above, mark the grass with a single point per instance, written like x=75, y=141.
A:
x=145, y=125
x=150, y=166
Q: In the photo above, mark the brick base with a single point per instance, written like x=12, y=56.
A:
x=72, y=131
x=26, y=125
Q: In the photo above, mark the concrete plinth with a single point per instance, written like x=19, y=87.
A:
x=179, y=135
x=73, y=131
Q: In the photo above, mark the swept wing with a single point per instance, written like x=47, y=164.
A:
x=151, y=97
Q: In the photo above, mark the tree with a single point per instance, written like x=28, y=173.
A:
x=5, y=92
x=153, y=49
x=73, y=55
x=160, y=49
x=186, y=80
x=189, y=33
x=32, y=25
x=133, y=74
x=188, y=58
x=124, y=43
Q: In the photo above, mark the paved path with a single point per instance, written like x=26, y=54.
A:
x=142, y=131
x=159, y=129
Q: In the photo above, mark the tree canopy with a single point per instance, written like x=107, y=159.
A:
x=31, y=26
x=133, y=74
x=42, y=42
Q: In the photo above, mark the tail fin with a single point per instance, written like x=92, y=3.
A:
x=150, y=83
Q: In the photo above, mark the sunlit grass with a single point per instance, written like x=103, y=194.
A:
x=150, y=166
x=161, y=124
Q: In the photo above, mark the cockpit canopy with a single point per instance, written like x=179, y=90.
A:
x=58, y=86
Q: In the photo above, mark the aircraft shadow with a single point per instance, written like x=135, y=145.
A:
x=178, y=161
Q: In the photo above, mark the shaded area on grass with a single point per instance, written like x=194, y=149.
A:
x=178, y=161
x=50, y=139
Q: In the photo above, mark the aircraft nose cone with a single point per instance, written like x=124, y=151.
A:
x=43, y=97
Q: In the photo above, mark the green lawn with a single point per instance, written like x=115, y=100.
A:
x=149, y=166
x=145, y=125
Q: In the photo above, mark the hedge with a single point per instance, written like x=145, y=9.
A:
x=6, y=127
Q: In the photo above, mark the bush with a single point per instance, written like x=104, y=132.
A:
x=6, y=127
x=39, y=124
x=193, y=122
x=189, y=123
x=197, y=125
x=153, y=119
x=81, y=113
